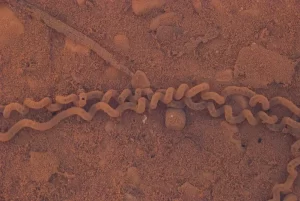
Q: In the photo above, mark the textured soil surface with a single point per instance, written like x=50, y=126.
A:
x=135, y=157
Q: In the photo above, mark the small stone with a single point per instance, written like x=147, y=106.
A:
x=121, y=42
x=112, y=73
x=75, y=47
x=129, y=197
x=133, y=177
x=197, y=5
x=81, y=2
x=42, y=166
x=140, y=80
x=141, y=7
x=224, y=76
x=164, y=19
x=190, y=192
x=217, y=4
x=175, y=119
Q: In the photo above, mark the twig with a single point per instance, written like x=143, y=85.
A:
x=73, y=34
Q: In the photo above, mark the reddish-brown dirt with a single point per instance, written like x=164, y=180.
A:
x=135, y=157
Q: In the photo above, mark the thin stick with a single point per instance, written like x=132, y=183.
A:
x=73, y=34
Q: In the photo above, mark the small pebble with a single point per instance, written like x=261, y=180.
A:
x=129, y=197
x=140, y=80
x=141, y=7
x=75, y=47
x=121, y=42
x=217, y=4
x=112, y=73
x=169, y=18
x=197, y=5
x=189, y=191
x=81, y=2
x=133, y=177
x=175, y=119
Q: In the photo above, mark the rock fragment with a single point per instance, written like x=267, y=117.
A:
x=141, y=7
x=76, y=48
x=197, y=5
x=133, y=177
x=175, y=119
x=81, y=2
x=122, y=42
x=190, y=192
x=129, y=197
x=140, y=80
x=112, y=73
x=165, y=19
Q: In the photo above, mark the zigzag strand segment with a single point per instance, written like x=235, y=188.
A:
x=140, y=107
x=286, y=187
x=165, y=95
x=182, y=95
x=88, y=116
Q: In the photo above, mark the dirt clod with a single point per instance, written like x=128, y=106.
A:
x=81, y=2
x=129, y=197
x=133, y=177
x=197, y=5
x=75, y=47
x=112, y=73
x=175, y=119
x=141, y=7
x=165, y=19
x=140, y=80
x=190, y=192
x=122, y=42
